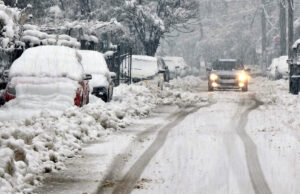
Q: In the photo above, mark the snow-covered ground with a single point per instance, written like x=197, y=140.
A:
x=152, y=141
x=41, y=141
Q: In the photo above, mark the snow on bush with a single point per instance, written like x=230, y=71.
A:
x=8, y=25
x=40, y=144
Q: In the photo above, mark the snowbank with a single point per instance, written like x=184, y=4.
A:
x=48, y=61
x=144, y=67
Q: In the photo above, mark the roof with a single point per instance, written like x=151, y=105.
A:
x=227, y=60
x=295, y=45
x=93, y=62
x=48, y=61
x=144, y=66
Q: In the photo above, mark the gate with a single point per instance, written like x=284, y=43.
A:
x=121, y=64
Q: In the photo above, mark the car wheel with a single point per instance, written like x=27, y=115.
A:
x=245, y=89
x=209, y=87
x=294, y=86
x=88, y=99
x=81, y=101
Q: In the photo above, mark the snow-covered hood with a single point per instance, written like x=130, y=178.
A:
x=226, y=73
x=98, y=80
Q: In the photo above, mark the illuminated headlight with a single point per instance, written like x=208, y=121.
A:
x=241, y=85
x=213, y=77
x=243, y=77
x=214, y=85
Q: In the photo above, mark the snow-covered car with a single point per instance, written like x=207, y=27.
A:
x=279, y=68
x=227, y=73
x=101, y=84
x=144, y=68
x=51, y=74
x=176, y=66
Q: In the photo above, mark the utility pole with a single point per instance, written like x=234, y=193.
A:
x=264, y=37
x=291, y=26
x=282, y=24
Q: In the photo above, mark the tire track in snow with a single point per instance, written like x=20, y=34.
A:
x=257, y=178
x=126, y=185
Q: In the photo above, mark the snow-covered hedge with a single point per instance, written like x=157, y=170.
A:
x=8, y=25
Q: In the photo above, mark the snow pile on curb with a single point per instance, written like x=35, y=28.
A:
x=39, y=145
x=179, y=92
x=278, y=100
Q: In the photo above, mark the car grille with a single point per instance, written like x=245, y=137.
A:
x=99, y=91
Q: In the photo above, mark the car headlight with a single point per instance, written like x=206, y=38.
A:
x=243, y=77
x=213, y=77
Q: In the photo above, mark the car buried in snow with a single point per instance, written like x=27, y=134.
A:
x=52, y=74
x=101, y=84
x=294, y=69
x=227, y=74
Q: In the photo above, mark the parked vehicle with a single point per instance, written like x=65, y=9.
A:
x=176, y=66
x=143, y=68
x=278, y=69
x=227, y=73
x=101, y=84
x=48, y=72
x=294, y=69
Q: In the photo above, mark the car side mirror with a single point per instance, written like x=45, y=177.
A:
x=248, y=70
x=87, y=77
x=208, y=69
x=112, y=75
x=5, y=74
x=161, y=71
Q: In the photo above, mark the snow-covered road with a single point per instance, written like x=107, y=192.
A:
x=235, y=143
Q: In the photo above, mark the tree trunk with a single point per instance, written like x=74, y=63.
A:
x=150, y=47
x=291, y=25
x=264, y=37
x=282, y=23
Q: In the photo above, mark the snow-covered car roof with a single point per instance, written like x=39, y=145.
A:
x=227, y=60
x=295, y=45
x=93, y=62
x=48, y=61
x=173, y=62
x=144, y=66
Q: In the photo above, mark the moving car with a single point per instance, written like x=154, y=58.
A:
x=49, y=74
x=227, y=73
x=294, y=67
x=101, y=84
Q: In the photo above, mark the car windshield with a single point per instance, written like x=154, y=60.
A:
x=227, y=65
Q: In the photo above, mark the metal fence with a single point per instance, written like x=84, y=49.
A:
x=121, y=63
